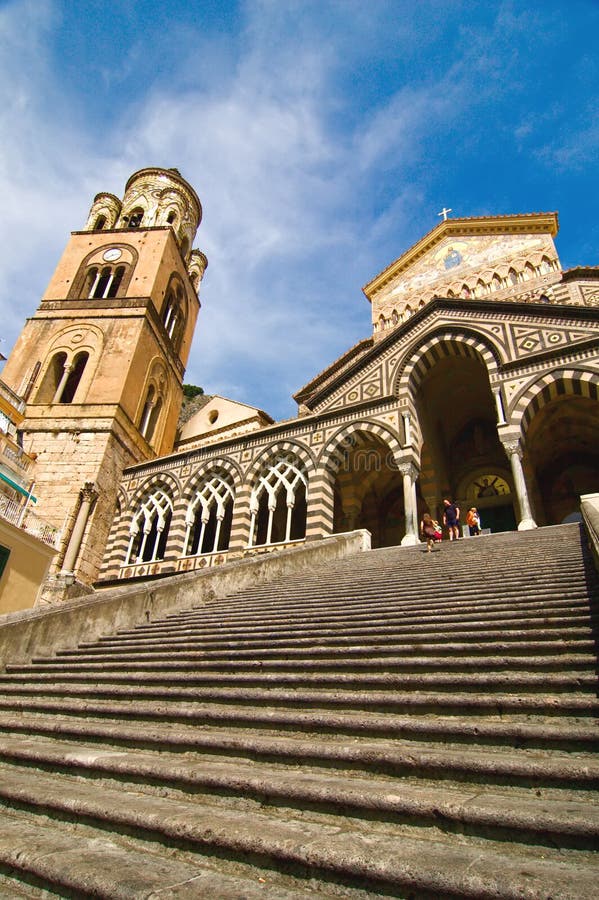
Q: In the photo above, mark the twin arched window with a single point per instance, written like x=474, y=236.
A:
x=150, y=414
x=209, y=516
x=278, y=503
x=173, y=314
x=62, y=377
x=149, y=529
x=104, y=282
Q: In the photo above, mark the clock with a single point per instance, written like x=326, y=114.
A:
x=112, y=255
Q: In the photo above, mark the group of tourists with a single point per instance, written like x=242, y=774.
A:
x=432, y=531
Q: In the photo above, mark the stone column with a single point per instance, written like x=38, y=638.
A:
x=409, y=473
x=514, y=452
x=87, y=496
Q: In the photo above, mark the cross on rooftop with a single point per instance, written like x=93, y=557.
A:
x=444, y=213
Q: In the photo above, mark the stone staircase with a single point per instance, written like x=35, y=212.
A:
x=397, y=724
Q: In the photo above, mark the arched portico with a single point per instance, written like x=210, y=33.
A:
x=457, y=414
x=367, y=486
x=560, y=428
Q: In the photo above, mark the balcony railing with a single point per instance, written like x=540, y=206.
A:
x=12, y=398
x=15, y=513
x=14, y=456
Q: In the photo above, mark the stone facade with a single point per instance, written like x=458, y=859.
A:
x=101, y=362
x=479, y=383
x=491, y=400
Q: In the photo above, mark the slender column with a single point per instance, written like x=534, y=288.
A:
x=87, y=496
x=66, y=372
x=499, y=406
x=514, y=451
x=146, y=416
x=290, y=505
x=410, y=474
x=407, y=429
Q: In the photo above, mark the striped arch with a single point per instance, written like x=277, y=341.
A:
x=242, y=517
x=159, y=480
x=277, y=449
x=150, y=524
x=451, y=342
x=216, y=483
x=118, y=539
x=333, y=454
x=208, y=468
x=549, y=387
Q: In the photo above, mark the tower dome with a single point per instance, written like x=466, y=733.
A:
x=161, y=197
x=104, y=212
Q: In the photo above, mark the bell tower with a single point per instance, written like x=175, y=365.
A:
x=101, y=362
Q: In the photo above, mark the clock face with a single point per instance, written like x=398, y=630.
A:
x=112, y=255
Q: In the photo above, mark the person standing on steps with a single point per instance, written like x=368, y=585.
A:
x=473, y=521
x=451, y=518
x=430, y=531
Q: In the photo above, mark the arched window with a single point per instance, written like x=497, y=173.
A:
x=545, y=265
x=135, y=218
x=512, y=276
x=149, y=529
x=66, y=393
x=150, y=414
x=62, y=378
x=394, y=318
x=99, y=223
x=173, y=316
x=544, y=299
x=172, y=217
x=209, y=516
x=496, y=282
x=104, y=283
x=465, y=291
x=529, y=271
x=52, y=378
x=278, y=503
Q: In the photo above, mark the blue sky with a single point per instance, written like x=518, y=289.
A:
x=322, y=138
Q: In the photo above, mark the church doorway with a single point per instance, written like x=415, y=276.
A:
x=462, y=456
x=562, y=445
x=368, y=490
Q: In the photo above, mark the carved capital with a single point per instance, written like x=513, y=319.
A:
x=88, y=492
x=408, y=468
x=512, y=447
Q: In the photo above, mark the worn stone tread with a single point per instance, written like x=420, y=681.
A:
x=524, y=812
x=538, y=768
x=101, y=866
x=448, y=867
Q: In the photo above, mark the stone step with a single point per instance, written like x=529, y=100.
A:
x=539, y=756
x=431, y=642
x=382, y=688
x=338, y=670
x=260, y=708
x=373, y=654
x=325, y=635
x=212, y=623
x=79, y=861
x=402, y=589
x=559, y=821
x=397, y=624
x=383, y=857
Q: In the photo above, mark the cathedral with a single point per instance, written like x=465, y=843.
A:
x=478, y=383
